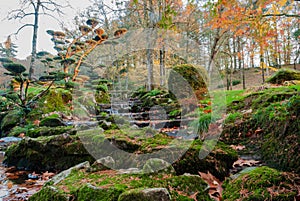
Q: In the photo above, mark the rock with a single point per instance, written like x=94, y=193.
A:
x=49, y=193
x=52, y=121
x=130, y=171
x=52, y=153
x=90, y=192
x=149, y=194
x=106, y=125
x=219, y=161
x=158, y=165
x=104, y=163
x=262, y=183
x=64, y=174
x=7, y=141
x=3, y=193
x=284, y=75
x=49, y=131
x=13, y=118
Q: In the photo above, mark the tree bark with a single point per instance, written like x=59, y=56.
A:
x=34, y=39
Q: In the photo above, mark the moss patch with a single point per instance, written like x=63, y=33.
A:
x=284, y=75
x=262, y=183
x=109, y=185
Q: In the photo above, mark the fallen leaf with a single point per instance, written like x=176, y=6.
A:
x=9, y=185
x=215, y=185
x=241, y=162
x=238, y=147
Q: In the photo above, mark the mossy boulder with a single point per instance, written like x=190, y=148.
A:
x=49, y=193
x=154, y=165
x=186, y=77
x=52, y=121
x=10, y=120
x=219, y=161
x=262, y=183
x=90, y=192
x=49, y=131
x=283, y=75
x=150, y=194
x=53, y=153
x=56, y=100
x=111, y=185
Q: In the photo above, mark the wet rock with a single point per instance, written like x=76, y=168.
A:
x=149, y=194
x=7, y=141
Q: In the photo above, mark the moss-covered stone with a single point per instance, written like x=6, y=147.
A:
x=12, y=119
x=47, y=153
x=109, y=185
x=185, y=76
x=90, y=192
x=48, y=131
x=56, y=100
x=52, y=121
x=154, y=194
x=284, y=75
x=219, y=161
x=262, y=183
x=49, y=193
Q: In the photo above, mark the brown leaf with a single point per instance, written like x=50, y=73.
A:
x=215, y=185
x=241, y=162
x=238, y=147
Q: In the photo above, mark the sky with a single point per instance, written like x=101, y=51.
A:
x=24, y=38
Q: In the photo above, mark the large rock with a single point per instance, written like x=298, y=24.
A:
x=12, y=119
x=49, y=193
x=262, y=183
x=53, y=153
x=52, y=121
x=110, y=185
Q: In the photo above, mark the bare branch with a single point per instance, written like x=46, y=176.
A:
x=25, y=25
x=281, y=15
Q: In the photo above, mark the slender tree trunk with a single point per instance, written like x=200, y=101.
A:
x=34, y=39
x=162, y=56
x=261, y=58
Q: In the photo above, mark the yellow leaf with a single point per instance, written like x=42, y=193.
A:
x=282, y=2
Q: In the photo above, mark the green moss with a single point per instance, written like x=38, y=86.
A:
x=109, y=185
x=49, y=193
x=48, y=131
x=284, y=75
x=12, y=119
x=262, y=183
x=89, y=192
x=232, y=117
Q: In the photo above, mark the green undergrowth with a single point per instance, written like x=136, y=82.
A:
x=267, y=122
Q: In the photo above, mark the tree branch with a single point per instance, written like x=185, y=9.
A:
x=281, y=14
x=25, y=25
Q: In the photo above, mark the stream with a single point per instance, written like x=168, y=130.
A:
x=17, y=185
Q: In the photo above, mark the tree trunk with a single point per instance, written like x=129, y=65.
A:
x=162, y=56
x=34, y=39
x=261, y=58
x=150, y=69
